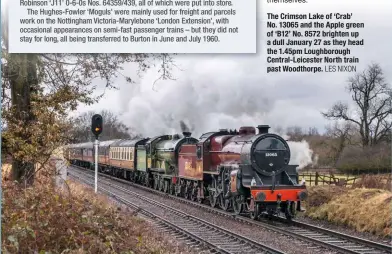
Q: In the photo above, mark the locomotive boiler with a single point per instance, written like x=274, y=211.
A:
x=161, y=160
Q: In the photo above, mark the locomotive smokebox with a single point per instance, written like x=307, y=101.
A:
x=187, y=134
x=263, y=129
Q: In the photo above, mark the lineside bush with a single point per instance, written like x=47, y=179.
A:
x=43, y=219
x=365, y=210
x=358, y=160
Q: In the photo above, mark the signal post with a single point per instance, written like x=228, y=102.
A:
x=96, y=128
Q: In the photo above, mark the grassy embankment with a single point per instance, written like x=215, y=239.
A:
x=365, y=207
x=45, y=220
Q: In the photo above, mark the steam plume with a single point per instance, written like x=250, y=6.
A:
x=208, y=95
x=184, y=127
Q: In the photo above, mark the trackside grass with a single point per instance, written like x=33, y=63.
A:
x=363, y=209
x=43, y=219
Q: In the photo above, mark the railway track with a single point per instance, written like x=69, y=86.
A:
x=205, y=236
x=311, y=234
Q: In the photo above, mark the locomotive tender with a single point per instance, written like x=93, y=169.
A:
x=240, y=171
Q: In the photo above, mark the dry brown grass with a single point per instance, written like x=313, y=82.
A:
x=366, y=210
x=318, y=195
x=42, y=218
x=381, y=181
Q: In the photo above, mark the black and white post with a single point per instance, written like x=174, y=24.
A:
x=96, y=144
x=96, y=128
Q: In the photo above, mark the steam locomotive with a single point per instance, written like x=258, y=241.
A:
x=238, y=171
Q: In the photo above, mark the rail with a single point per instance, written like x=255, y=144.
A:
x=216, y=238
x=312, y=234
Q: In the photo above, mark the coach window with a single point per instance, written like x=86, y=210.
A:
x=148, y=149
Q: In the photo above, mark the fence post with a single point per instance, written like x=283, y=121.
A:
x=316, y=180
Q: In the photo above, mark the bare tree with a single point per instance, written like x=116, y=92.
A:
x=342, y=134
x=113, y=128
x=313, y=131
x=39, y=91
x=372, y=97
x=295, y=132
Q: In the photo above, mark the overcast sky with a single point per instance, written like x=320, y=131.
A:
x=227, y=91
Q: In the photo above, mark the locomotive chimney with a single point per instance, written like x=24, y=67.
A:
x=187, y=134
x=263, y=129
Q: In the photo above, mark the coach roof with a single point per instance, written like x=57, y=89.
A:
x=128, y=142
x=108, y=142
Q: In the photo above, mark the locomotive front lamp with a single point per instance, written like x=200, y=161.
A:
x=302, y=195
x=261, y=196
